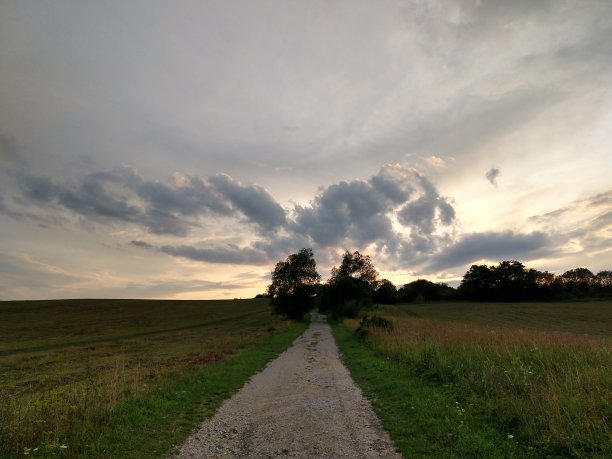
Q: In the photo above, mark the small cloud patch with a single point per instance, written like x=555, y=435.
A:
x=492, y=175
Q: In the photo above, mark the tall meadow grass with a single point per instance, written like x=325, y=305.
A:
x=551, y=391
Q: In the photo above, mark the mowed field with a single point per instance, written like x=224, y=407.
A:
x=88, y=377
x=490, y=380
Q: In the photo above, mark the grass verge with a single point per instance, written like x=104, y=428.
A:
x=444, y=389
x=424, y=420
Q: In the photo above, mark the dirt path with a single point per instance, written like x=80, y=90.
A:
x=304, y=404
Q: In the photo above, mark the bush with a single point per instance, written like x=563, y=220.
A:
x=372, y=322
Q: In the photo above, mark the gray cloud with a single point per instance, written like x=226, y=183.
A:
x=492, y=175
x=492, y=246
x=353, y=214
x=232, y=254
x=10, y=154
x=360, y=213
x=601, y=199
x=252, y=200
x=121, y=195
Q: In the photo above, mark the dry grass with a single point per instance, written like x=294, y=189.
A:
x=550, y=389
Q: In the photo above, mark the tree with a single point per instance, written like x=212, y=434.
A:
x=350, y=287
x=385, y=293
x=603, y=282
x=424, y=290
x=478, y=283
x=508, y=281
x=294, y=284
x=357, y=266
x=345, y=297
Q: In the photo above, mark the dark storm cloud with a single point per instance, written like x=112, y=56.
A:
x=492, y=175
x=121, y=195
x=492, y=246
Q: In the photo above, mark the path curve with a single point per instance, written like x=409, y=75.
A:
x=304, y=404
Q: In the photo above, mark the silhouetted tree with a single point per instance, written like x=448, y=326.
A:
x=578, y=281
x=424, y=290
x=350, y=287
x=357, y=266
x=478, y=283
x=294, y=283
x=511, y=281
x=385, y=293
x=603, y=283
x=345, y=297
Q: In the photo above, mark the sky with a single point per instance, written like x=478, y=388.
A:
x=156, y=149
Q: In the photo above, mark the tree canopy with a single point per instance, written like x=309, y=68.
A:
x=357, y=266
x=350, y=287
x=294, y=283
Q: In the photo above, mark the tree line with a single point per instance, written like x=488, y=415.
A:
x=296, y=285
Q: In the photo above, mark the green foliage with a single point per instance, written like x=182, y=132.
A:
x=124, y=378
x=294, y=284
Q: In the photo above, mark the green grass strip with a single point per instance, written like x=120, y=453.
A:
x=151, y=425
x=423, y=419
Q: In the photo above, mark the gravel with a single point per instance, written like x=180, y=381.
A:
x=304, y=404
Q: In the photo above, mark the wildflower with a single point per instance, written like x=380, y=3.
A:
x=63, y=446
x=510, y=436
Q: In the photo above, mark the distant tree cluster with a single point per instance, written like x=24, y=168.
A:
x=354, y=285
x=511, y=281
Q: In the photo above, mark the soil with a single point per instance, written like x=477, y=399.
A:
x=304, y=404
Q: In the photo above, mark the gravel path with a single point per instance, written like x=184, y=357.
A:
x=304, y=404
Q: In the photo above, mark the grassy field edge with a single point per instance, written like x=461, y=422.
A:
x=153, y=424
x=423, y=420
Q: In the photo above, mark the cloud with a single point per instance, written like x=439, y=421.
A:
x=582, y=228
x=363, y=212
x=253, y=201
x=22, y=275
x=492, y=175
x=491, y=246
x=229, y=254
x=397, y=211
x=122, y=195
x=10, y=152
